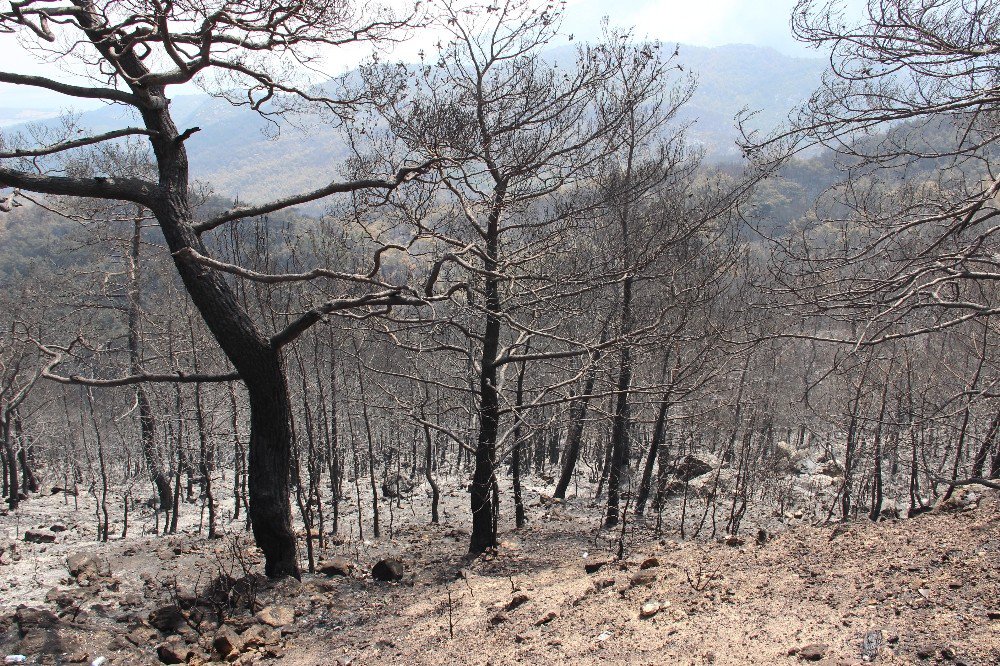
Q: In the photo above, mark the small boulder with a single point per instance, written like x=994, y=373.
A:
x=58, y=527
x=593, y=567
x=812, y=652
x=649, y=609
x=689, y=468
x=734, y=541
x=84, y=565
x=34, y=618
x=388, y=570
x=227, y=642
x=174, y=651
x=260, y=635
x=336, y=566
x=547, y=617
x=167, y=619
x=517, y=600
x=642, y=578
x=276, y=616
x=649, y=563
x=34, y=536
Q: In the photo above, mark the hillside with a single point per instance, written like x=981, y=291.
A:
x=921, y=590
x=245, y=156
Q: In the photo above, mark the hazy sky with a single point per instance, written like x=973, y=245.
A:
x=696, y=22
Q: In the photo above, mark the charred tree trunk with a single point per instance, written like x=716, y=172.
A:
x=577, y=418
x=659, y=428
x=620, y=423
x=484, y=519
x=255, y=358
x=519, y=517
x=13, y=488
x=147, y=423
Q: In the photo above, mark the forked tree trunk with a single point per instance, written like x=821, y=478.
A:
x=255, y=358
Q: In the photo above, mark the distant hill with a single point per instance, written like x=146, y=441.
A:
x=243, y=155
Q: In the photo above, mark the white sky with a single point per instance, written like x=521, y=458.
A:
x=695, y=22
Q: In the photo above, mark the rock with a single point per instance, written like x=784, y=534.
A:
x=783, y=451
x=498, y=618
x=58, y=527
x=546, y=618
x=167, y=619
x=33, y=536
x=593, y=567
x=259, y=635
x=734, y=541
x=689, y=468
x=649, y=609
x=831, y=469
x=83, y=565
x=396, y=486
x=762, y=536
x=644, y=577
x=34, y=618
x=276, y=616
x=387, y=570
x=926, y=651
x=517, y=600
x=890, y=511
x=649, y=563
x=812, y=652
x=174, y=651
x=227, y=642
x=871, y=645
x=337, y=566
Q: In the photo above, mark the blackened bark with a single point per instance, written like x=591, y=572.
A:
x=258, y=363
x=428, y=463
x=519, y=517
x=147, y=423
x=13, y=488
x=577, y=417
x=620, y=423
x=484, y=527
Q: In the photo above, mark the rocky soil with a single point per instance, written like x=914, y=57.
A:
x=924, y=590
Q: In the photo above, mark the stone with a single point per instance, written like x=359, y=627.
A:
x=276, y=616
x=388, y=570
x=689, y=468
x=547, y=617
x=649, y=563
x=33, y=536
x=872, y=643
x=812, y=652
x=227, y=642
x=174, y=651
x=642, y=578
x=336, y=566
x=734, y=541
x=34, y=618
x=649, y=609
x=517, y=600
x=259, y=635
x=593, y=567
x=396, y=486
x=58, y=527
x=168, y=619
x=498, y=618
x=83, y=565
x=831, y=469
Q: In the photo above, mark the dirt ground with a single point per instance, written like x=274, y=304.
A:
x=921, y=590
